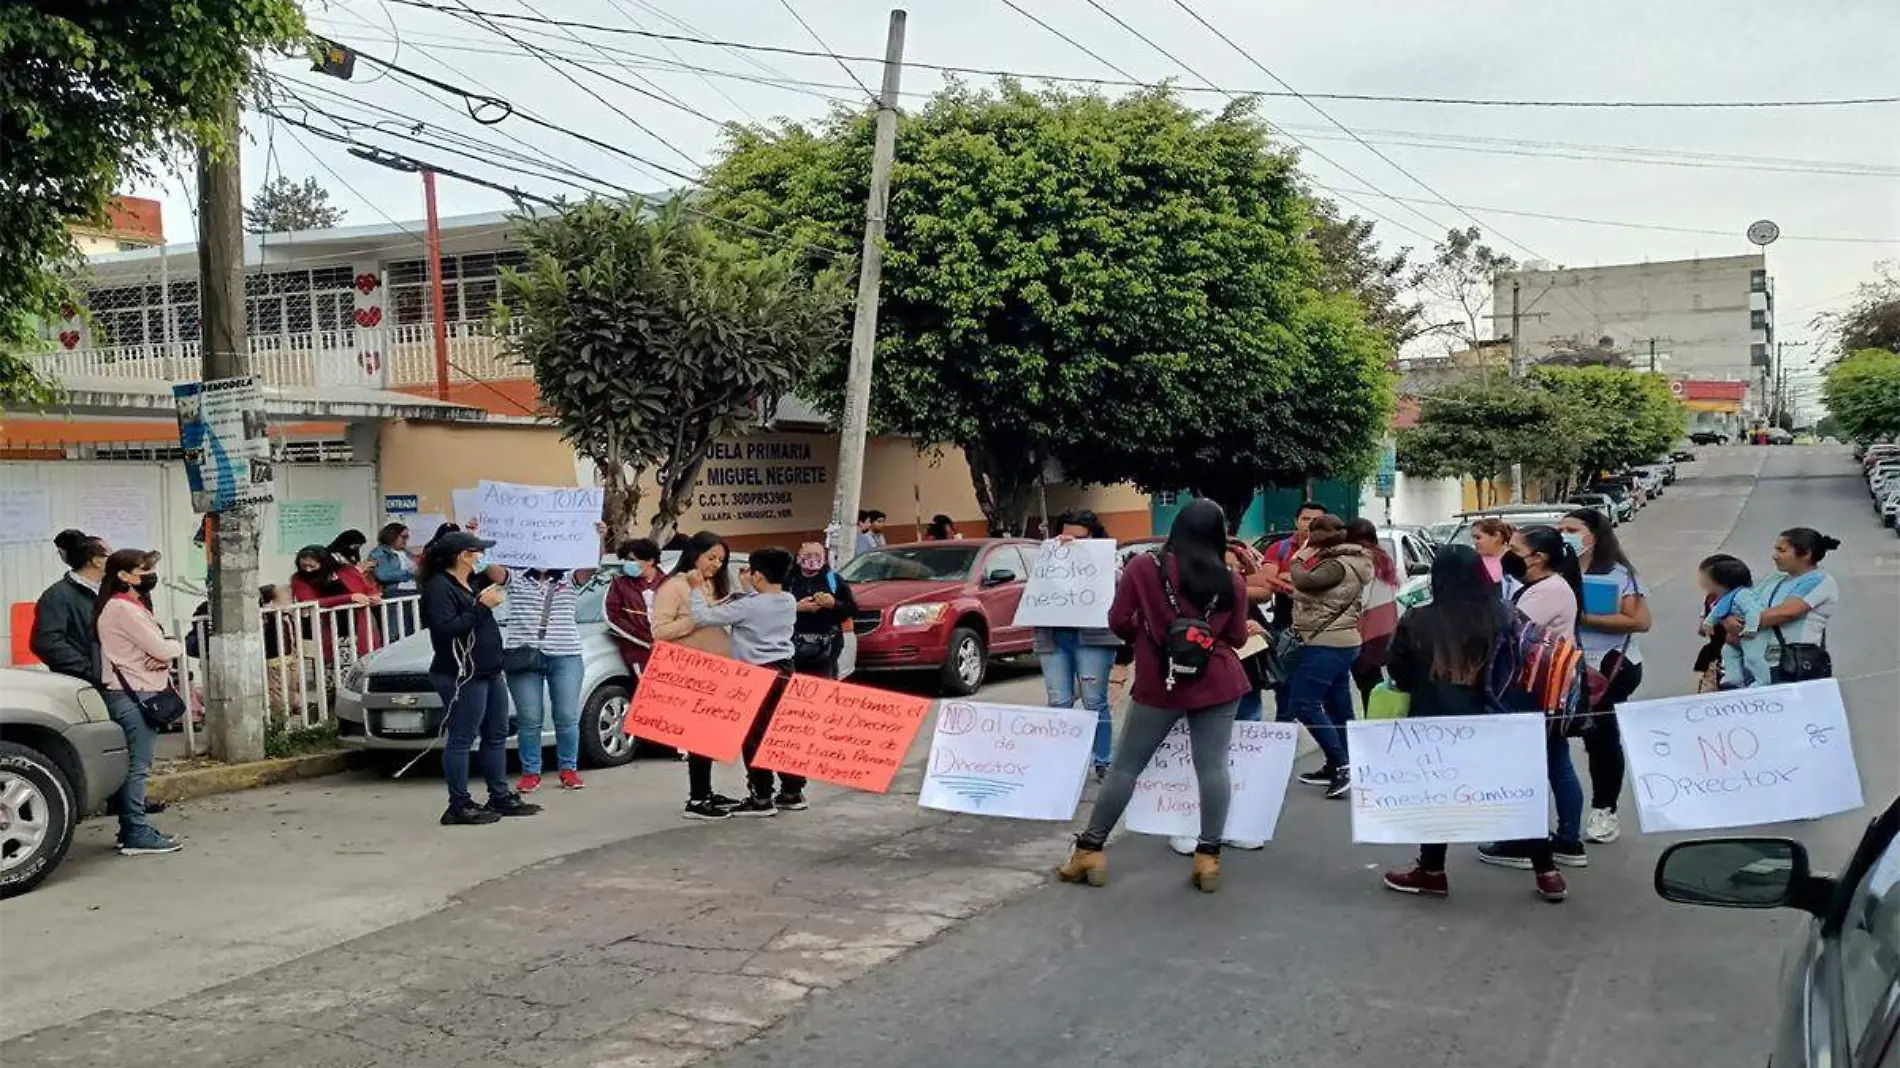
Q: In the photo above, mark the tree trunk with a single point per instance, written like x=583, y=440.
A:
x=1234, y=496
x=678, y=478
x=1002, y=490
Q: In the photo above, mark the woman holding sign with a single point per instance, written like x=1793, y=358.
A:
x=1076, y=661
x=1185, y=614
x=704, y=555
x=1442, y=656
x=1615, y=611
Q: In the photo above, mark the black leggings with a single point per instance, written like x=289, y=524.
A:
x=1603, y=742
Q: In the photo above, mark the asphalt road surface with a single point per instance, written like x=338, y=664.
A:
x=1303, y=958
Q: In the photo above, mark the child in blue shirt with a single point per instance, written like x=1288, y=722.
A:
x=1744, y=659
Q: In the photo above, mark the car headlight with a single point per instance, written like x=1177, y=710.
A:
x=93, y=704
x=353, y=678
x=918, y=615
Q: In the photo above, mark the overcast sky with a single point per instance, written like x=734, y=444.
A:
x=1610, y=49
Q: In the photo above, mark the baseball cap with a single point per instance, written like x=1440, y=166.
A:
x=461, y=541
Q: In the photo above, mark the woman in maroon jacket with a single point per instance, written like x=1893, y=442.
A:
x=1188, y=579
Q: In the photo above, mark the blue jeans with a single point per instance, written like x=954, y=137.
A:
x=479, y=710
x=1074, y=667
x=140, y=740
x=1320, y=695
x=1250, y=708
x=557, y=684
x=1566, y=790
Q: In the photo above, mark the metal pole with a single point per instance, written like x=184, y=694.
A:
x=234, y=664
x=1652, y=355
x=1517, y=372
x=857, y=397
x=435, y=289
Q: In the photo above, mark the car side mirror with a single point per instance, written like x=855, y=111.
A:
x=999, y=577
x=1740, y=873
x=1417, y=568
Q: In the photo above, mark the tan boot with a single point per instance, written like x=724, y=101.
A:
x=1085, y=866
x=1206, y=876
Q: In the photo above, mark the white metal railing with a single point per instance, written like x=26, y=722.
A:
x=316, y=647
x=381, y=356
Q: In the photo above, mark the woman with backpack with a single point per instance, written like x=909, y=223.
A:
x=136, y=659
x=1378, y=609
x=1546, y=590
x=1608, y=636
x=1443, y=657
x=1184, y=613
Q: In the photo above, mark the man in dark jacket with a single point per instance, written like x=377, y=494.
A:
x=63, y=634
x=825, y=606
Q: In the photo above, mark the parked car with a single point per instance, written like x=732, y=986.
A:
x=1518, y=515
x=387, y=703
x=1778, y=436
x=1598, y=502
x=1708, y=437
x=1889, y=505
x=1840, y=1003
x=943, y=606
x=61, y=758
x=1619, y=494
x=1683, y=456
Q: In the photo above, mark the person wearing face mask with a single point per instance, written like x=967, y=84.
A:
x=629, y=604
x=825, y=605
x=137, y=659
x=1545, y=585
x=63, y=634
x=325, y=579
x=458, y=603
x=673, y=621
x=1610, y=647
x=761, y=621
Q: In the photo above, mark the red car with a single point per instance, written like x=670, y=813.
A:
x=947, y=606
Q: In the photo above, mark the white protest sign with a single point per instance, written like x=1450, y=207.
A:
x=1008, y=760
x=1449, y=779
x=467, y=504
x=1259, y=764
x=1737, y=758
x=540, y=526
x=422, y=527
x=1070, y=585
x=124, y=513
x=26, y=516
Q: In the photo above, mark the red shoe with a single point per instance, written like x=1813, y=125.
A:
x=571, y=780
x=1418, y=881
x=528, y=784
x=1550, y=886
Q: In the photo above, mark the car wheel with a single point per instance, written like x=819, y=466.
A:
x=37, y=816
x=965, y=663
x=605, y=742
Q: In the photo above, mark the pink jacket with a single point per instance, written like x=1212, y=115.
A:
x=131, y=641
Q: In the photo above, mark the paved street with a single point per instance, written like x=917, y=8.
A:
x=333, y=924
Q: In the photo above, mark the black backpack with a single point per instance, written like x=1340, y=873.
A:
x=1189, y=648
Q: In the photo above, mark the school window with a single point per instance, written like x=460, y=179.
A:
x=1167, y=499
x=471, y=286
x=1758, y=281
x=1758, y=319
x=135, y=315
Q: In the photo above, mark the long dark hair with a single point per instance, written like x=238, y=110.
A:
x=1460, y=627
x=1363, y=533
x=1608, y=551
x=1198, y=544
x=349, y=545
x=699, y=545
x=324, y=579
x=1548, y=542
x=110, y=585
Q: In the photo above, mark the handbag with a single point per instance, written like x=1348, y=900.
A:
x=161, y=709
x=1798, y=661
x=528, y=659
x=1283, y=649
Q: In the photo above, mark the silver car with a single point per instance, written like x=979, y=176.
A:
x=61, y=757
x=1840, y=1004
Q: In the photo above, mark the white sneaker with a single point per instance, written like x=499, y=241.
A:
x=1601, y=826
x=1243, y=843
x=1183, y=845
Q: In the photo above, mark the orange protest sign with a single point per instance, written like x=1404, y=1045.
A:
x=836, y=732
x=697, y=702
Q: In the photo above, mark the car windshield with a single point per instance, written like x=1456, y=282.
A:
x=923, y=563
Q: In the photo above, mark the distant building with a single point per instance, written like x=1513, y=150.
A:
x=1710, y=320
x=130, y=223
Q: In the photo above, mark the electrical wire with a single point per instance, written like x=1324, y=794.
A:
x=842, y=65
x=1129, y=81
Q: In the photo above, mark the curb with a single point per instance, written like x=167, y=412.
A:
x=229, y=778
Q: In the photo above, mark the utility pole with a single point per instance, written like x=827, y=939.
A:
x=234, y=664
x=1517, y=372
x=435, y=288
x=1652, y=355
x=857, y=394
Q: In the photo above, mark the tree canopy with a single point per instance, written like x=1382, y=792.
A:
x=1862, y=393
x=1873, y=320
x=284, y=205
x=1621, y=416
x=1127, y=286
x=90, y=95
x=1462, y=275
x=651, y=334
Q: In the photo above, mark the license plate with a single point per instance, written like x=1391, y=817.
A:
x=404, y=723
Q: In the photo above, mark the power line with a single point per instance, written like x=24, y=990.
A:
x=1129, y=81
x=842, y=65
x=1079, y=46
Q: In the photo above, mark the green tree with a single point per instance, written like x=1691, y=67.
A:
x=1873, y=320
x=1478, y=430
x=1113, y=284
x=1353, y=264
x=284, y=206
x=1461, y=276
x=651, y=334
x=91, y=95
x=1621, y=416
x=1862, y=393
